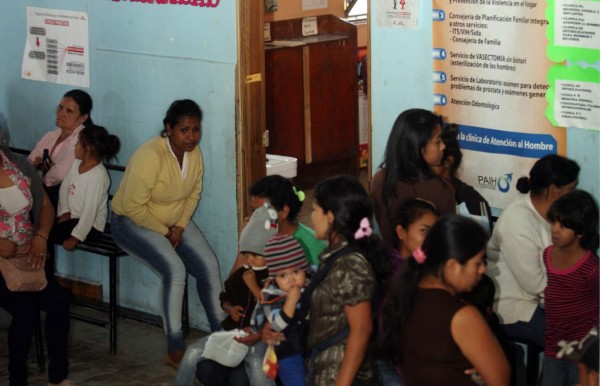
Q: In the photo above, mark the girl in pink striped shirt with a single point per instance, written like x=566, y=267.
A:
x=571, y=295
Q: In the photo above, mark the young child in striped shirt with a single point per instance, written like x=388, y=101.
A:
x=280, y=300
x=571, y=295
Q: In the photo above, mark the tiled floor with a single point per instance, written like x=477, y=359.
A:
x=139, y=359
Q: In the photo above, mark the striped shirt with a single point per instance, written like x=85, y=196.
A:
x=571, y=300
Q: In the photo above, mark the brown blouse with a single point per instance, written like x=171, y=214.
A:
x=436, y=190
x=431, y=357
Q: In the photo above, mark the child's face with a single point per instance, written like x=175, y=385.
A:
x=255, y=260
x=562, y=236
x=79, y=149
x=289, y=278
x=413, y=237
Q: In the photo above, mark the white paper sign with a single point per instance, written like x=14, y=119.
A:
x=57, y=47
x=577, y=24
x=397, y=13
x=309, y=26
x=267, y=32
x=577, y=104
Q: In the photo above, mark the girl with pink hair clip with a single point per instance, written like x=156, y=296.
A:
x=435, y=337
x=340, y=294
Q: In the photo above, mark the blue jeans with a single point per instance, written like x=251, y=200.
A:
x=558, y=372
x=388, y=374
x=253, y=363
x=532, y=331
x=193, y=255
x=186, y=373
x=291, y=370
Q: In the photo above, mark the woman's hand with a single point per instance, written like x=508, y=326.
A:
x=475, y=377
x=37, y=161
x=7, y=248
x=251, y=339
x=235, y=312
x=270, y=336
x=37, y=249
x=174, y=235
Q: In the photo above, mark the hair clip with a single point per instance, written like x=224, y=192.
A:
x=300, y=194
x=364, y=229
x=427, y=201
x=419, y=255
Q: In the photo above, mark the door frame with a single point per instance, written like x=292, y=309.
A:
x=250, y=101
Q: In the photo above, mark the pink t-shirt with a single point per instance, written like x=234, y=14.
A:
x=62, y=155
x=571, y=301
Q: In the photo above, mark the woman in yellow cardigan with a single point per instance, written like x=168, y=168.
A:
x=151, y=219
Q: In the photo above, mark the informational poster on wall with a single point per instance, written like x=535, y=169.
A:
x=56, y=49
x=397, y=13
x=490, y=69
x=574, y=38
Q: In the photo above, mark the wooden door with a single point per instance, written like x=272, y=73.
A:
x=284, y=102
x=333, y=102
x=250, y=92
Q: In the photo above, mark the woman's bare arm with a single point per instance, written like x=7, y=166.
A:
x=361, y=325
x=473, y=336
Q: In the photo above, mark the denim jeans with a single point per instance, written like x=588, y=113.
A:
x=532, y=331
x=558, y=372
x=253, y=363
x=186, y=373
x=388, y=374
x=193, y=255
x=291, y=370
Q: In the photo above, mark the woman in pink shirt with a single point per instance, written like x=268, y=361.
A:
x=55, y=152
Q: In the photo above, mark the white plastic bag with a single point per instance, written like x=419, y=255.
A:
x=222, y=348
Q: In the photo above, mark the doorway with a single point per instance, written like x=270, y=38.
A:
x=251, y=102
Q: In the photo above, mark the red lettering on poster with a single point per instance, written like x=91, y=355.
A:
x=193, y=3
x=77, y=50
x=63, y=23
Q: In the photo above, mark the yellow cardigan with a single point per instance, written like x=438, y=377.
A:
x=153, y=193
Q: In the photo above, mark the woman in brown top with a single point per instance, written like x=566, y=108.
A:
x=435, y=337
x=414, y=147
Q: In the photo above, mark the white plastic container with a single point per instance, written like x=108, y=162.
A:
x=282, y=165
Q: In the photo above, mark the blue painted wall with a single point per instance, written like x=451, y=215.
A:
x=401, y=78
x=142, y=57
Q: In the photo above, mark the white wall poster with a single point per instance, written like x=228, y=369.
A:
x=397, y=13
x=56, y=49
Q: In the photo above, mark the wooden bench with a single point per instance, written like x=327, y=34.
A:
x=104, y=245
